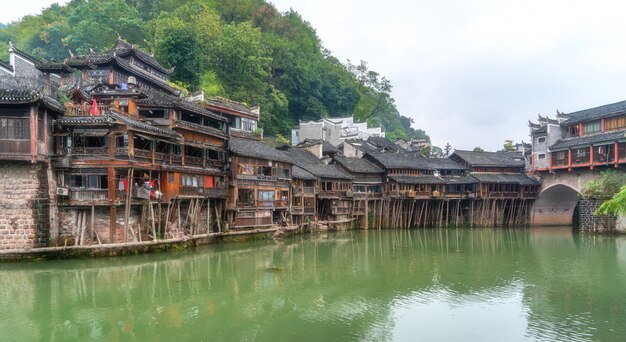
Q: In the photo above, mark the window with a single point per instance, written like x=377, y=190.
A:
x=592, y=127
x=541, y=156
x=615, y=123
x=581, y=152
x=265, y=195
x=541, y=140
x=14, y=129
x=560, y=155
x=573, y=130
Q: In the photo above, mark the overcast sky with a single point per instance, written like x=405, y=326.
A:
x=472, y=73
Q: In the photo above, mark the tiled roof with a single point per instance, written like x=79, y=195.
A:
x=143, y=126
x=158, y=98
x=256, y=149
x=360, y=145
x=85, y=120
x=423, y=179
x=15, y=96
x=18, y=95
x=161, y=99
x=506, y=178
x=459, y=179
x=23, y=54
x=300, y=173
x=385, y=143
x=52, y=104
x=358, y=165
x=492, y=159
x=145, y=75
x=52, y=66
x=307, y=161
x=6, y=65
x=192, y=107
x=595, y=113
x=230, y=105
x=124, y=48
x=328, y=148
x=540, y=130
x=445, y=164
x=392, y=160
x=586, y=140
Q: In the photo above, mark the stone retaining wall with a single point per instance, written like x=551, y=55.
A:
x=589, y=222
x=24, y=205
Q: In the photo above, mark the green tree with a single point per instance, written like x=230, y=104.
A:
x=508, y=146
x=614, y=206
x=478, y=149
x=177, y=46
x=606, y=185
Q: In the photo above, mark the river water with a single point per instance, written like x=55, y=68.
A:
x=397, y=285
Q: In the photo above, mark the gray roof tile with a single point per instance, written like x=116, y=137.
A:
x=595, y=113
x=491, y=159
x=358, y=165
x=586, y=140
x=256, y=149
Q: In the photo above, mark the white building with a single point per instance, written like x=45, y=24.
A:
x=334, y=130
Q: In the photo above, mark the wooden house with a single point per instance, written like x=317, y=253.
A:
x=243, y=121
x=589, y=138
x=112, y=67
x=128, y=146
x=304, y=187
x=407, y=175
x=505, y=194
x=260, y=187
x=499, y=174
x=334, y=195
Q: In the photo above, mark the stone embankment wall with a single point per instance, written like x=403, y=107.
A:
x=589, y=222
x=24, y=205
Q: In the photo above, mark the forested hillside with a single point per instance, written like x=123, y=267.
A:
x=241, y=49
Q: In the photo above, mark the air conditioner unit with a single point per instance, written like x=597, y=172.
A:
x=62, y=192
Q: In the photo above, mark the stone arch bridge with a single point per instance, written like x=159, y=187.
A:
x=558, y=196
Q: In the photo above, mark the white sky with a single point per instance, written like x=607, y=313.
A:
x=472, y=73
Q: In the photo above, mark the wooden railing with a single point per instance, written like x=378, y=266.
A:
x=86, y=195
x=503, y=194
x=143, y=154
x=203, y=192
x=84, y=110
x=309, y=210
x=195, y=161
x=77, y=150
x=340, y=210
x=367, y=194
x=297, y=210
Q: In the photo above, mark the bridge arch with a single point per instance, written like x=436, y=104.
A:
x=555, y=206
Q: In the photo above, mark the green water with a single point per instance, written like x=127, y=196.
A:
x=400, y=285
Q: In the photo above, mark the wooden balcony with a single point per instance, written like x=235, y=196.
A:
x=503, y=195
x=85, y=110
x=306, y=191
x=362, y=195
x=88, y=195
x=340, y=210
x=101, y=151
x=145, y=155
x=297, y=210
x=190, y=191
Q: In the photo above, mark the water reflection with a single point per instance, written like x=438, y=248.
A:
x=487, y=284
